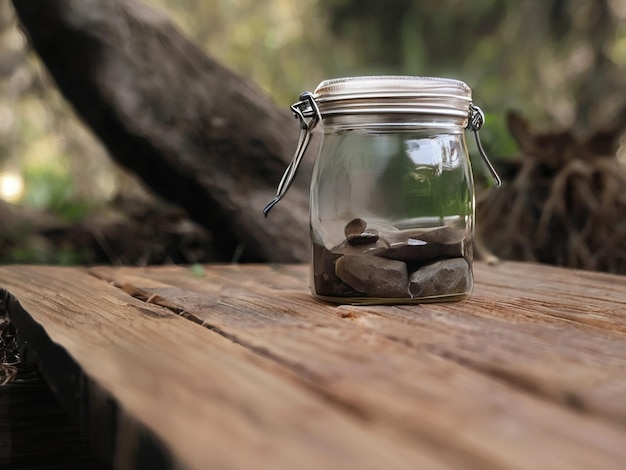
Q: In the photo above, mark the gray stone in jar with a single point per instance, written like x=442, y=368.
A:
x=452, y=250
x=444, y=235
x=399, y=237
x=364, y=238
x=420, y=244
x=374, y=276
x=411, y=250
x=451, y=276
x=372, y=247
x=449, y=239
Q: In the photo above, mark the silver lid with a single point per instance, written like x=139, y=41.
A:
x=393, y=94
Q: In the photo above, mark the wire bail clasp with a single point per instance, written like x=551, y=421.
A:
x=308, y=113
x=475, y=122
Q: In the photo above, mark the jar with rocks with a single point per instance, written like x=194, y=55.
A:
x=392, y=193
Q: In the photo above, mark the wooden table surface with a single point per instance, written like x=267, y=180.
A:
x=239, y=367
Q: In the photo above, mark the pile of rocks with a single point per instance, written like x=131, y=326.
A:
x=392, y=263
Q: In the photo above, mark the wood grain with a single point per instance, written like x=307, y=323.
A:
x=242, y=364
x=211, y=402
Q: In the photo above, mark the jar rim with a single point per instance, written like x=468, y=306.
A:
x=382, y=94
x=383, y=84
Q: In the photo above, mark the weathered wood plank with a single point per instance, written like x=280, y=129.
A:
x=523, y=366
x=528, y=373
x=589, y=298
x=209, y=401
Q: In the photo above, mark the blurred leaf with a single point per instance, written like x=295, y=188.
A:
x=53, y=189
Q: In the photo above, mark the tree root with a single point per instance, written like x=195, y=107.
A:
x=564, y=207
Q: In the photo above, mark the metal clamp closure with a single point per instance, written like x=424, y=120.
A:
x=308, y=113
x=475, y=122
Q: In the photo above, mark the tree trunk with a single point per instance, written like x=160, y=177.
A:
x=196, y=133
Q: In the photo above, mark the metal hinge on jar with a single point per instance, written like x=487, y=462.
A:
x=307, y=111
x=474, y=123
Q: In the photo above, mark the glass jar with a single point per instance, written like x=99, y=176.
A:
x=392, y=193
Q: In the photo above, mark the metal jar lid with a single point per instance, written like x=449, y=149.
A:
x=393, y=94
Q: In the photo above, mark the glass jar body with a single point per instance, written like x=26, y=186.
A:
x=392, y=212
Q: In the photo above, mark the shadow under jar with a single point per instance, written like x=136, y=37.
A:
x=392, y=193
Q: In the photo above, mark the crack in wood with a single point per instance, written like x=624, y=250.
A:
x=297, y=371
x=569, y=399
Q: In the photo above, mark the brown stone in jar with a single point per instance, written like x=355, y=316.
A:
x=324, y=278
x=355, y=227
x=374, y=276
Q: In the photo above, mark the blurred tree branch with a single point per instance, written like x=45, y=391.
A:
x=193, y=131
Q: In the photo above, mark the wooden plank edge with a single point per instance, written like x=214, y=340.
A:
x=93, y=410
